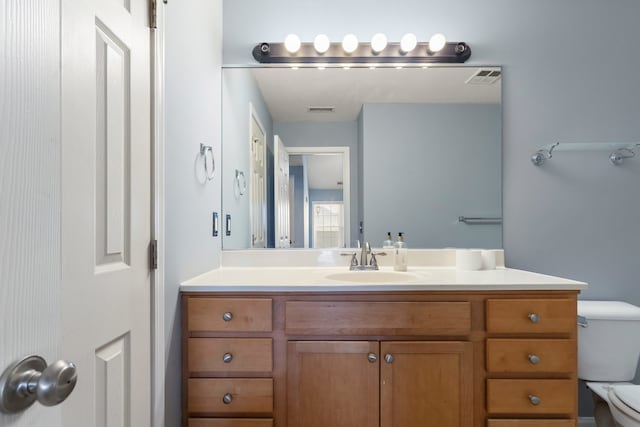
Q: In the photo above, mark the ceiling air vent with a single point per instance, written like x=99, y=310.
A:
x=321, y=109
x=484, y=77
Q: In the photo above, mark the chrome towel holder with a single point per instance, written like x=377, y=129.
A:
x=619, y=150
x=479, y=220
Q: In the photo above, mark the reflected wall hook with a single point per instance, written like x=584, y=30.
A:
x=208, y=170
x=241, y=182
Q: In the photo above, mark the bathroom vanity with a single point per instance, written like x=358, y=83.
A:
x=286, y=346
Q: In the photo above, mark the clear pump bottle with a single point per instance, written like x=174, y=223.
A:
x=388, y=243
x=400, y=254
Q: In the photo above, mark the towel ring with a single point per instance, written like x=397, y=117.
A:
x=204, y=149
x=241, y=182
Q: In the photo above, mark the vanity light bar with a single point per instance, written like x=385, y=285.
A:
x=276, y=53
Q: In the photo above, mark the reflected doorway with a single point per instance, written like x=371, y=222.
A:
x=319, y=200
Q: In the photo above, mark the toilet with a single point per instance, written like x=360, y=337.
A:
x=608, y=353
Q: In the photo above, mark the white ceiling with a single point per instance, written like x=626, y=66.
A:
x=290, y=92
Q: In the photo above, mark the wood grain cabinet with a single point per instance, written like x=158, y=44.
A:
x=380, y=359
x=531, y=358
x=371, y=383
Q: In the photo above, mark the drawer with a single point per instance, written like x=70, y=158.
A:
x=531, y=316
x=532, y=355
x=377, y=318
x=247, y=396
x=230, y=422
x=229, y=355
x=556, y=397
x=229, y=314
x=531, y=423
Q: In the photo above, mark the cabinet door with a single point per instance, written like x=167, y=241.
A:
x=333, y=383
x=426, y=384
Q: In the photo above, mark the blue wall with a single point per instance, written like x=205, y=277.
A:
x=446, y=159
x=570, y=74
x=239, y=89
x=193, y=55
x=298, y=206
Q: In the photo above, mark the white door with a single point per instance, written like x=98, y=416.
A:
x=106, y=210
x=30, y=192
x=281, y=190
x=258, y=185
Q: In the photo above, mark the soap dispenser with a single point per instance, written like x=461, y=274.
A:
x=388, y=243
x=400, y=254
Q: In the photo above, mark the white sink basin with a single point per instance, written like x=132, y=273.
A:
x=386, y=277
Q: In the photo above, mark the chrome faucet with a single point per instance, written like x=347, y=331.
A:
x=366, y=249
x=365, y=263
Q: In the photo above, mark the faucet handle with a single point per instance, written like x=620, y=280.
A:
x=354, y=258
x=374, y=261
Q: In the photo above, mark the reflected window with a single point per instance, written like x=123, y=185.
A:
x=328, y=225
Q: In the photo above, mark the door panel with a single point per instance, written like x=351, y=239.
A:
x=426, y=384
x=332, y=383
x=106, y=157
x=30, y=273
x=258, y=185
x=281, y=186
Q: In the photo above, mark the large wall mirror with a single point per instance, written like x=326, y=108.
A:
x=316, y=158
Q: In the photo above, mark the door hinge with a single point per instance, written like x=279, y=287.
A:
x=153, y=10
x=153, y=258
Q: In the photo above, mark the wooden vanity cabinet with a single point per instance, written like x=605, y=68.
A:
x=379, y=359
x=531, y=358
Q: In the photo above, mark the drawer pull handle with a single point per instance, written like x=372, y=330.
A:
x=534, y=318
x=388, y=358
x=535, y=400
x=533, y=359
x=227, y=358
x=372, y=357
x=227, y=316
x=227, y=398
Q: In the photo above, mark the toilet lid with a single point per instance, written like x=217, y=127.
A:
x=629, y=394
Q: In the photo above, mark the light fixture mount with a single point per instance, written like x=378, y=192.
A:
x=276, y=53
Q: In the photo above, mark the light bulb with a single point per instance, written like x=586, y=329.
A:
x=350, y=43
x=321, y=43
x=292, y=43
x=378, y=42
x=408, y=42
x=437, y=42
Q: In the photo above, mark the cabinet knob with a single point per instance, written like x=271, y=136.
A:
x=227, y=316
x=535, y=400
x=227, y=398
x=227, y=358
x=534, y=318
x=533, y=359
x=388, y=358
x=372, y=357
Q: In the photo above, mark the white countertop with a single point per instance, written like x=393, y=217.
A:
x=314, y=279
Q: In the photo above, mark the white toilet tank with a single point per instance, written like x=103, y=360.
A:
x=609, y=345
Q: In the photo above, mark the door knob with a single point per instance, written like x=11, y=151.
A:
x=388, y=358
x=372, y=357
x=31, y=379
